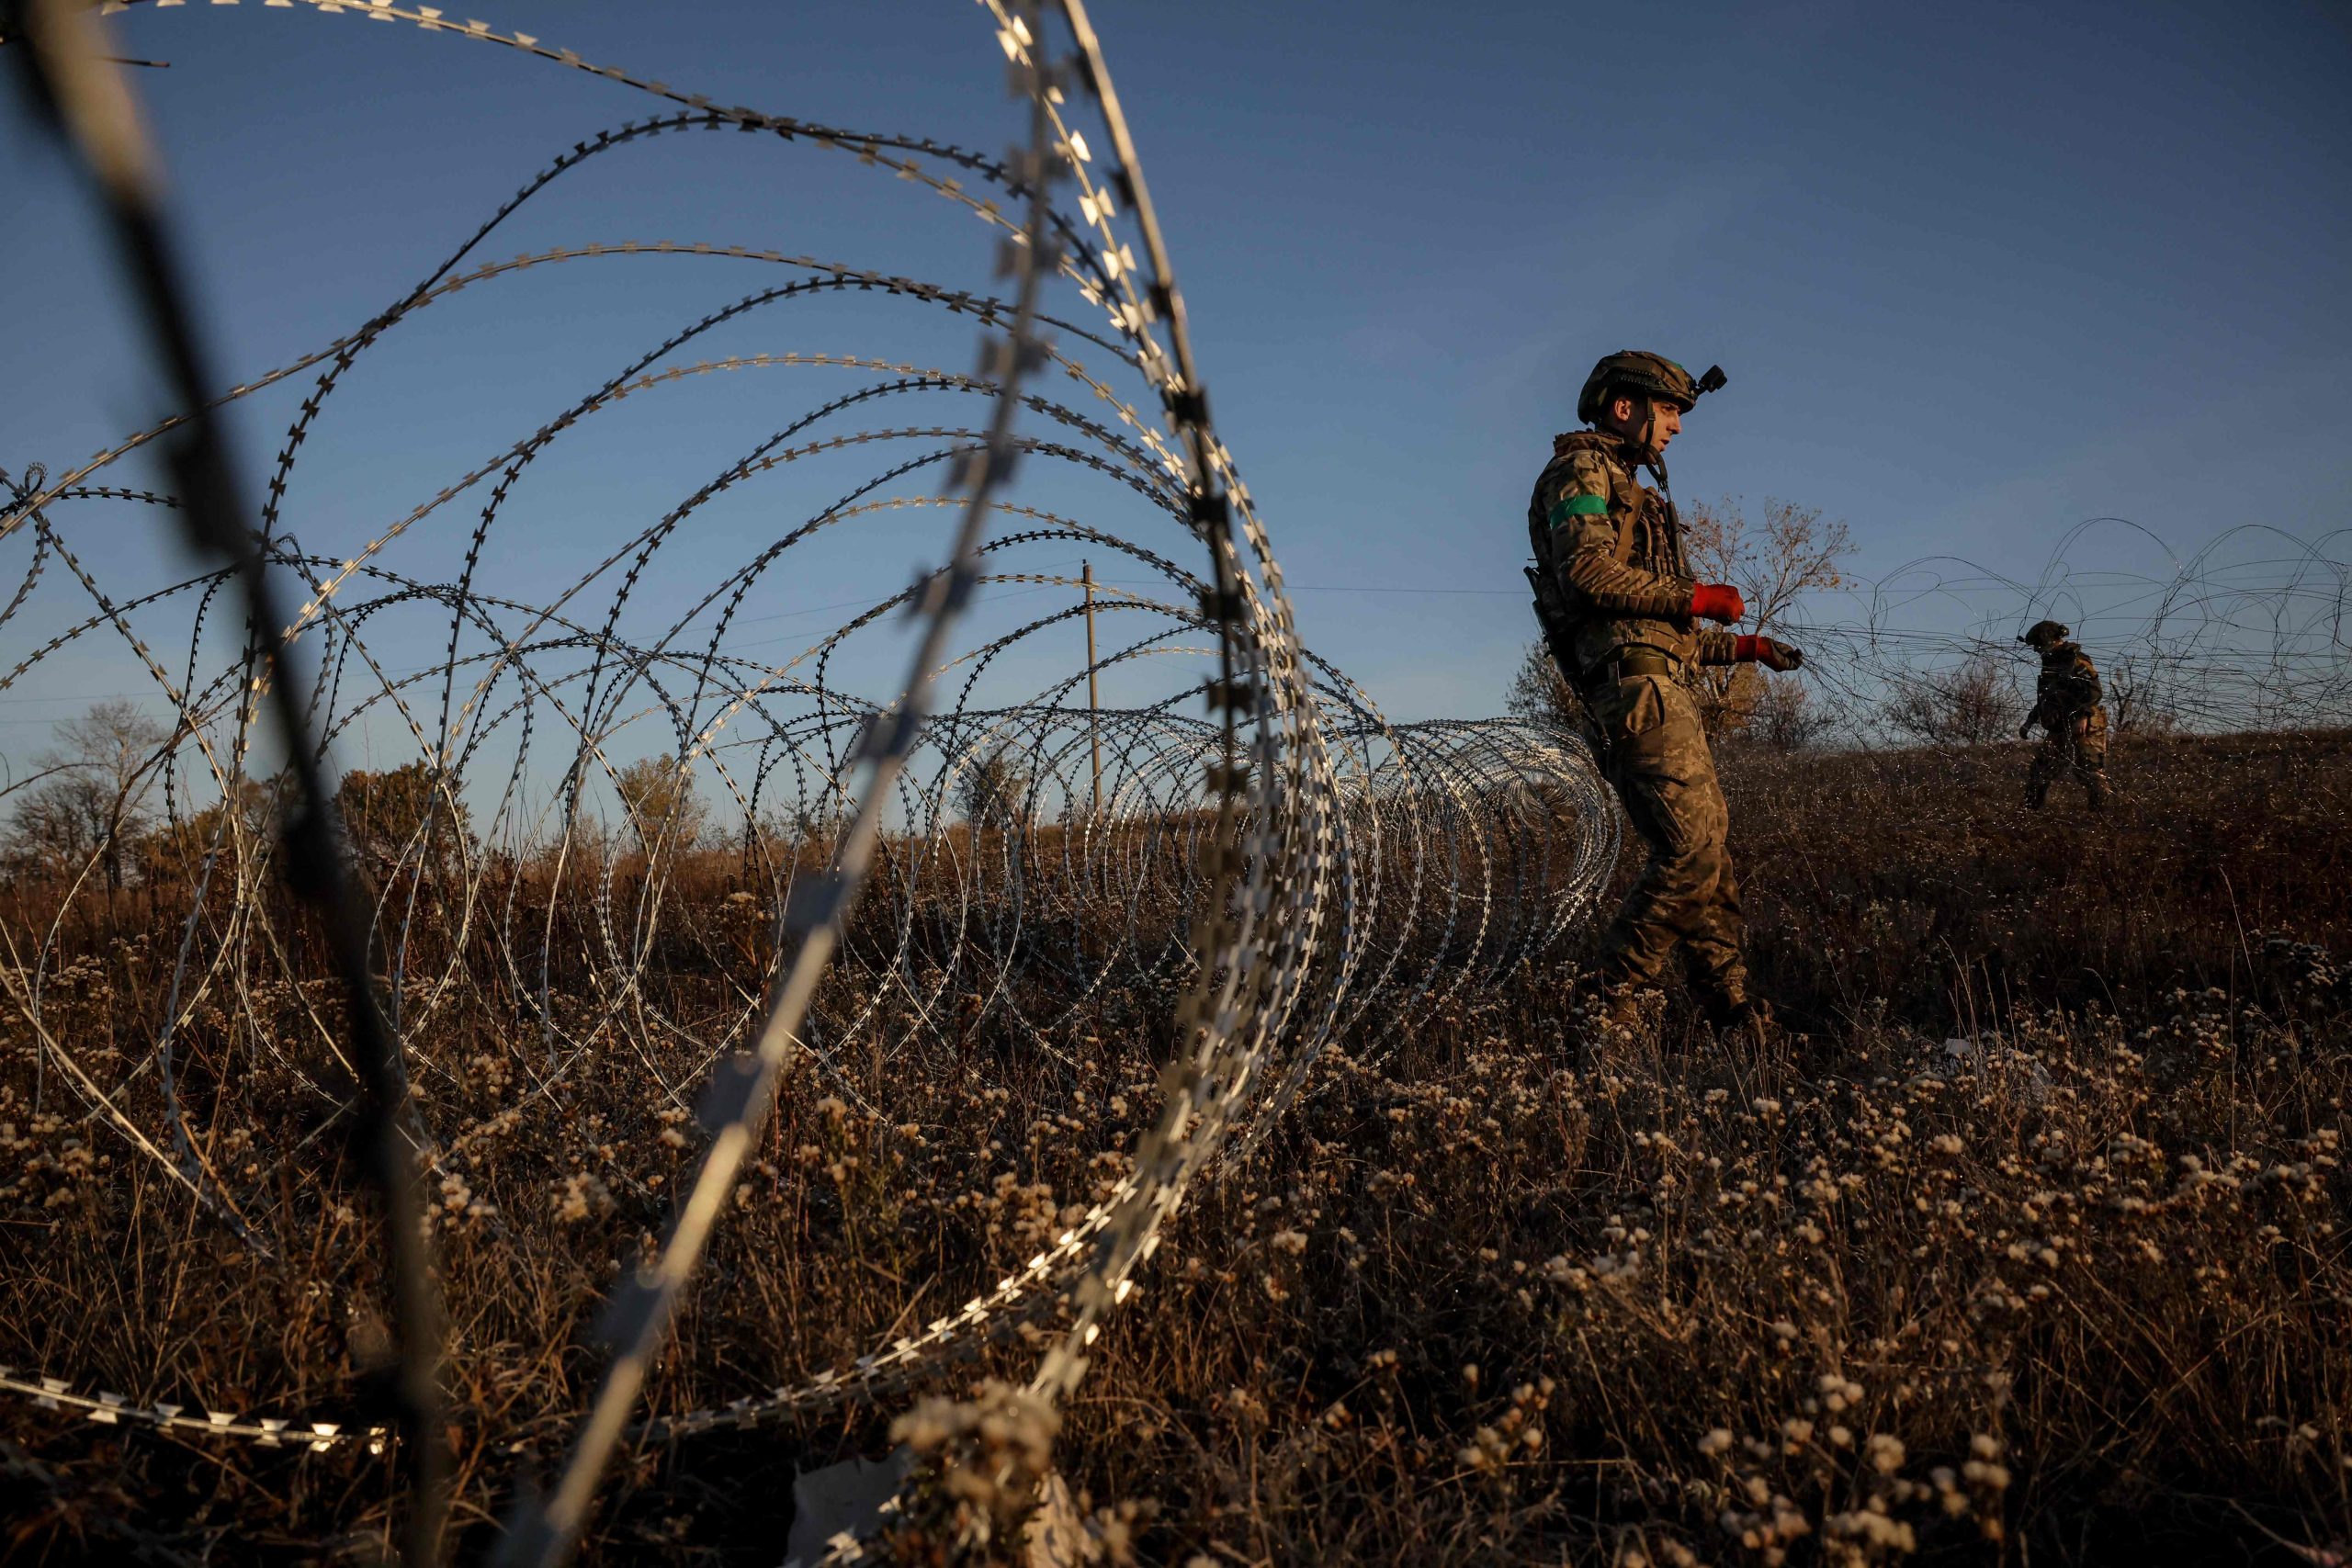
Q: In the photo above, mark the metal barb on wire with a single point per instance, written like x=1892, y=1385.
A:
x=1259, y=865
x=71, y=76
x=546, y=1530
x=1273, y=869
x=1277, y=873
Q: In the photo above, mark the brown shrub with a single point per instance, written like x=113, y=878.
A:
x=2037, y=1238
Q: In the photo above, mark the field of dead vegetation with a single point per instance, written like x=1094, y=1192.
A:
x=2031, y=1248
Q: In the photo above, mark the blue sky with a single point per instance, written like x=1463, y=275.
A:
x=1976, y=274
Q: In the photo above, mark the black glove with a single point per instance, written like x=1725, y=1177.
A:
x=1773, y=655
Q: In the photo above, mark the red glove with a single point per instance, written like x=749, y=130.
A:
x=1783, y=657
x=1717, y=601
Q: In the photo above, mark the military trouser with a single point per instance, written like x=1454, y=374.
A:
x=2076, y=746
x=1686, y=895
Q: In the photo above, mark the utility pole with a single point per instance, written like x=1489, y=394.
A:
x=1093, y=688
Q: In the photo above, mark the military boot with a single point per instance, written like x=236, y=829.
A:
x=1616, y=1012
x=1739, y=1016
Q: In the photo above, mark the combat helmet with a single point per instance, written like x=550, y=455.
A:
x=2044, y=636
x=1652, y=375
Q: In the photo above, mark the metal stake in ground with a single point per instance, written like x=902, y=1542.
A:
x=1093, y=687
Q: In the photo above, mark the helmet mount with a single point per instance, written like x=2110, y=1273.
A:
x=1636, y=373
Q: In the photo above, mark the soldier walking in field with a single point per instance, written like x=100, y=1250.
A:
x=2074, y=724
x=1620, y=611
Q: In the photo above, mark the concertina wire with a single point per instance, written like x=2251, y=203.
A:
x=1270, y=871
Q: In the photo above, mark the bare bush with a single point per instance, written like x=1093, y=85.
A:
x=1773, y=562
x=2139, y=694
x=1974, y=704
x=1785, y=717
x=2035, y=1242
x=58, y=824
x=103, y=769
x=1539, y=692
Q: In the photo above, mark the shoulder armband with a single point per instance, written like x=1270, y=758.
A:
x=1569, y=506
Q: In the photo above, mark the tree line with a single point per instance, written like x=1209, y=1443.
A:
x=90, y=804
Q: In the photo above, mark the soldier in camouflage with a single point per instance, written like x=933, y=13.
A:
x=1620, y=609
x=2074, y=724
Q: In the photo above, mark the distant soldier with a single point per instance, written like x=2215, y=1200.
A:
x=2073, y=724
x=1620, y=611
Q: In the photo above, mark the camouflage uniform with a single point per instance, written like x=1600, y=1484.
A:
x=2066, y=705
x=1614, y=588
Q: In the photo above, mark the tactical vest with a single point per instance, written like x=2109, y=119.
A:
x=2069, y=687
x=1649, y=537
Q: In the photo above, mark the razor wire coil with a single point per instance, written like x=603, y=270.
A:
x=1271, y=870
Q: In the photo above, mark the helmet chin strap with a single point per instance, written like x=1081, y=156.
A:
x=1645, y=452
x=1649, y=455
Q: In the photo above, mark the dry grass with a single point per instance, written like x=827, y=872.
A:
x=2032, y=1253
